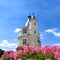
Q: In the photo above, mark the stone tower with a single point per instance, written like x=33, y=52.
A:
x=29, y=34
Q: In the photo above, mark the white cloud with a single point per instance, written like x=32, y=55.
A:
x=57, y=44
x=17, y=30
x=6, y=45
x=53, y=31
x=42, y=36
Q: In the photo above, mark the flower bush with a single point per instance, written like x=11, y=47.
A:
x=33, y=53
x=8, y=55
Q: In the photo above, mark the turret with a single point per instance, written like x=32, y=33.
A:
x=33, y=23
x=29, y=35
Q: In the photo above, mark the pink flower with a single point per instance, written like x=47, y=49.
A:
x=33, y=49
x=57, y=56
x=15, y=56
x=11, y=55
x=19, y=52
x=25, y=52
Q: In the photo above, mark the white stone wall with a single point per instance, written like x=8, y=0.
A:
x=31, y=24
x=32, y=38
x=33, y=41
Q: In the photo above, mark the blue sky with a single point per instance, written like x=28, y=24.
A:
x=13, y=16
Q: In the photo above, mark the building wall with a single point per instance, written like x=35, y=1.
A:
x=32, y=38
x=31, y=24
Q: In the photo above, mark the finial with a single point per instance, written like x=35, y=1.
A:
x=33, y=15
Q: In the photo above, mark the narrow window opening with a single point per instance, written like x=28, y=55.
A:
x=24, y=31
x=34, y=23
x=34, y=32
x=24, y=41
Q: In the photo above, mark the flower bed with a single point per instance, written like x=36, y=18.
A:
x=33, y=53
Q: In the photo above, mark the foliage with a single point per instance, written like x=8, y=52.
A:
x=17, y=48
x=1, y=52
x=33, y=53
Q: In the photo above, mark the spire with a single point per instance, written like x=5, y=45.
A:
x=29, y=17
x=33, y=16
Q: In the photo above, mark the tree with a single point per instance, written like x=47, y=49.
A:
x=17, y=48
x=1, y=52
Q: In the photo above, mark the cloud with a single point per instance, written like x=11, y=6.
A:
x=14, y=39
x=53, y=31
x=6, y=45
x=42, y=36
x=17, y=30
x=57, y=44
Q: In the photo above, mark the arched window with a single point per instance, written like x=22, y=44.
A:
x=24, y=31
x=34, y=32
x=34, y=23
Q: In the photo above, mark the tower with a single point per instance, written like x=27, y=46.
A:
x=29, y=34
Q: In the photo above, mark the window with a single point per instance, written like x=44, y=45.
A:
x=39, y=41
x=34, y=31
x=24, y=31
x=34, y=23
x=24, y=41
